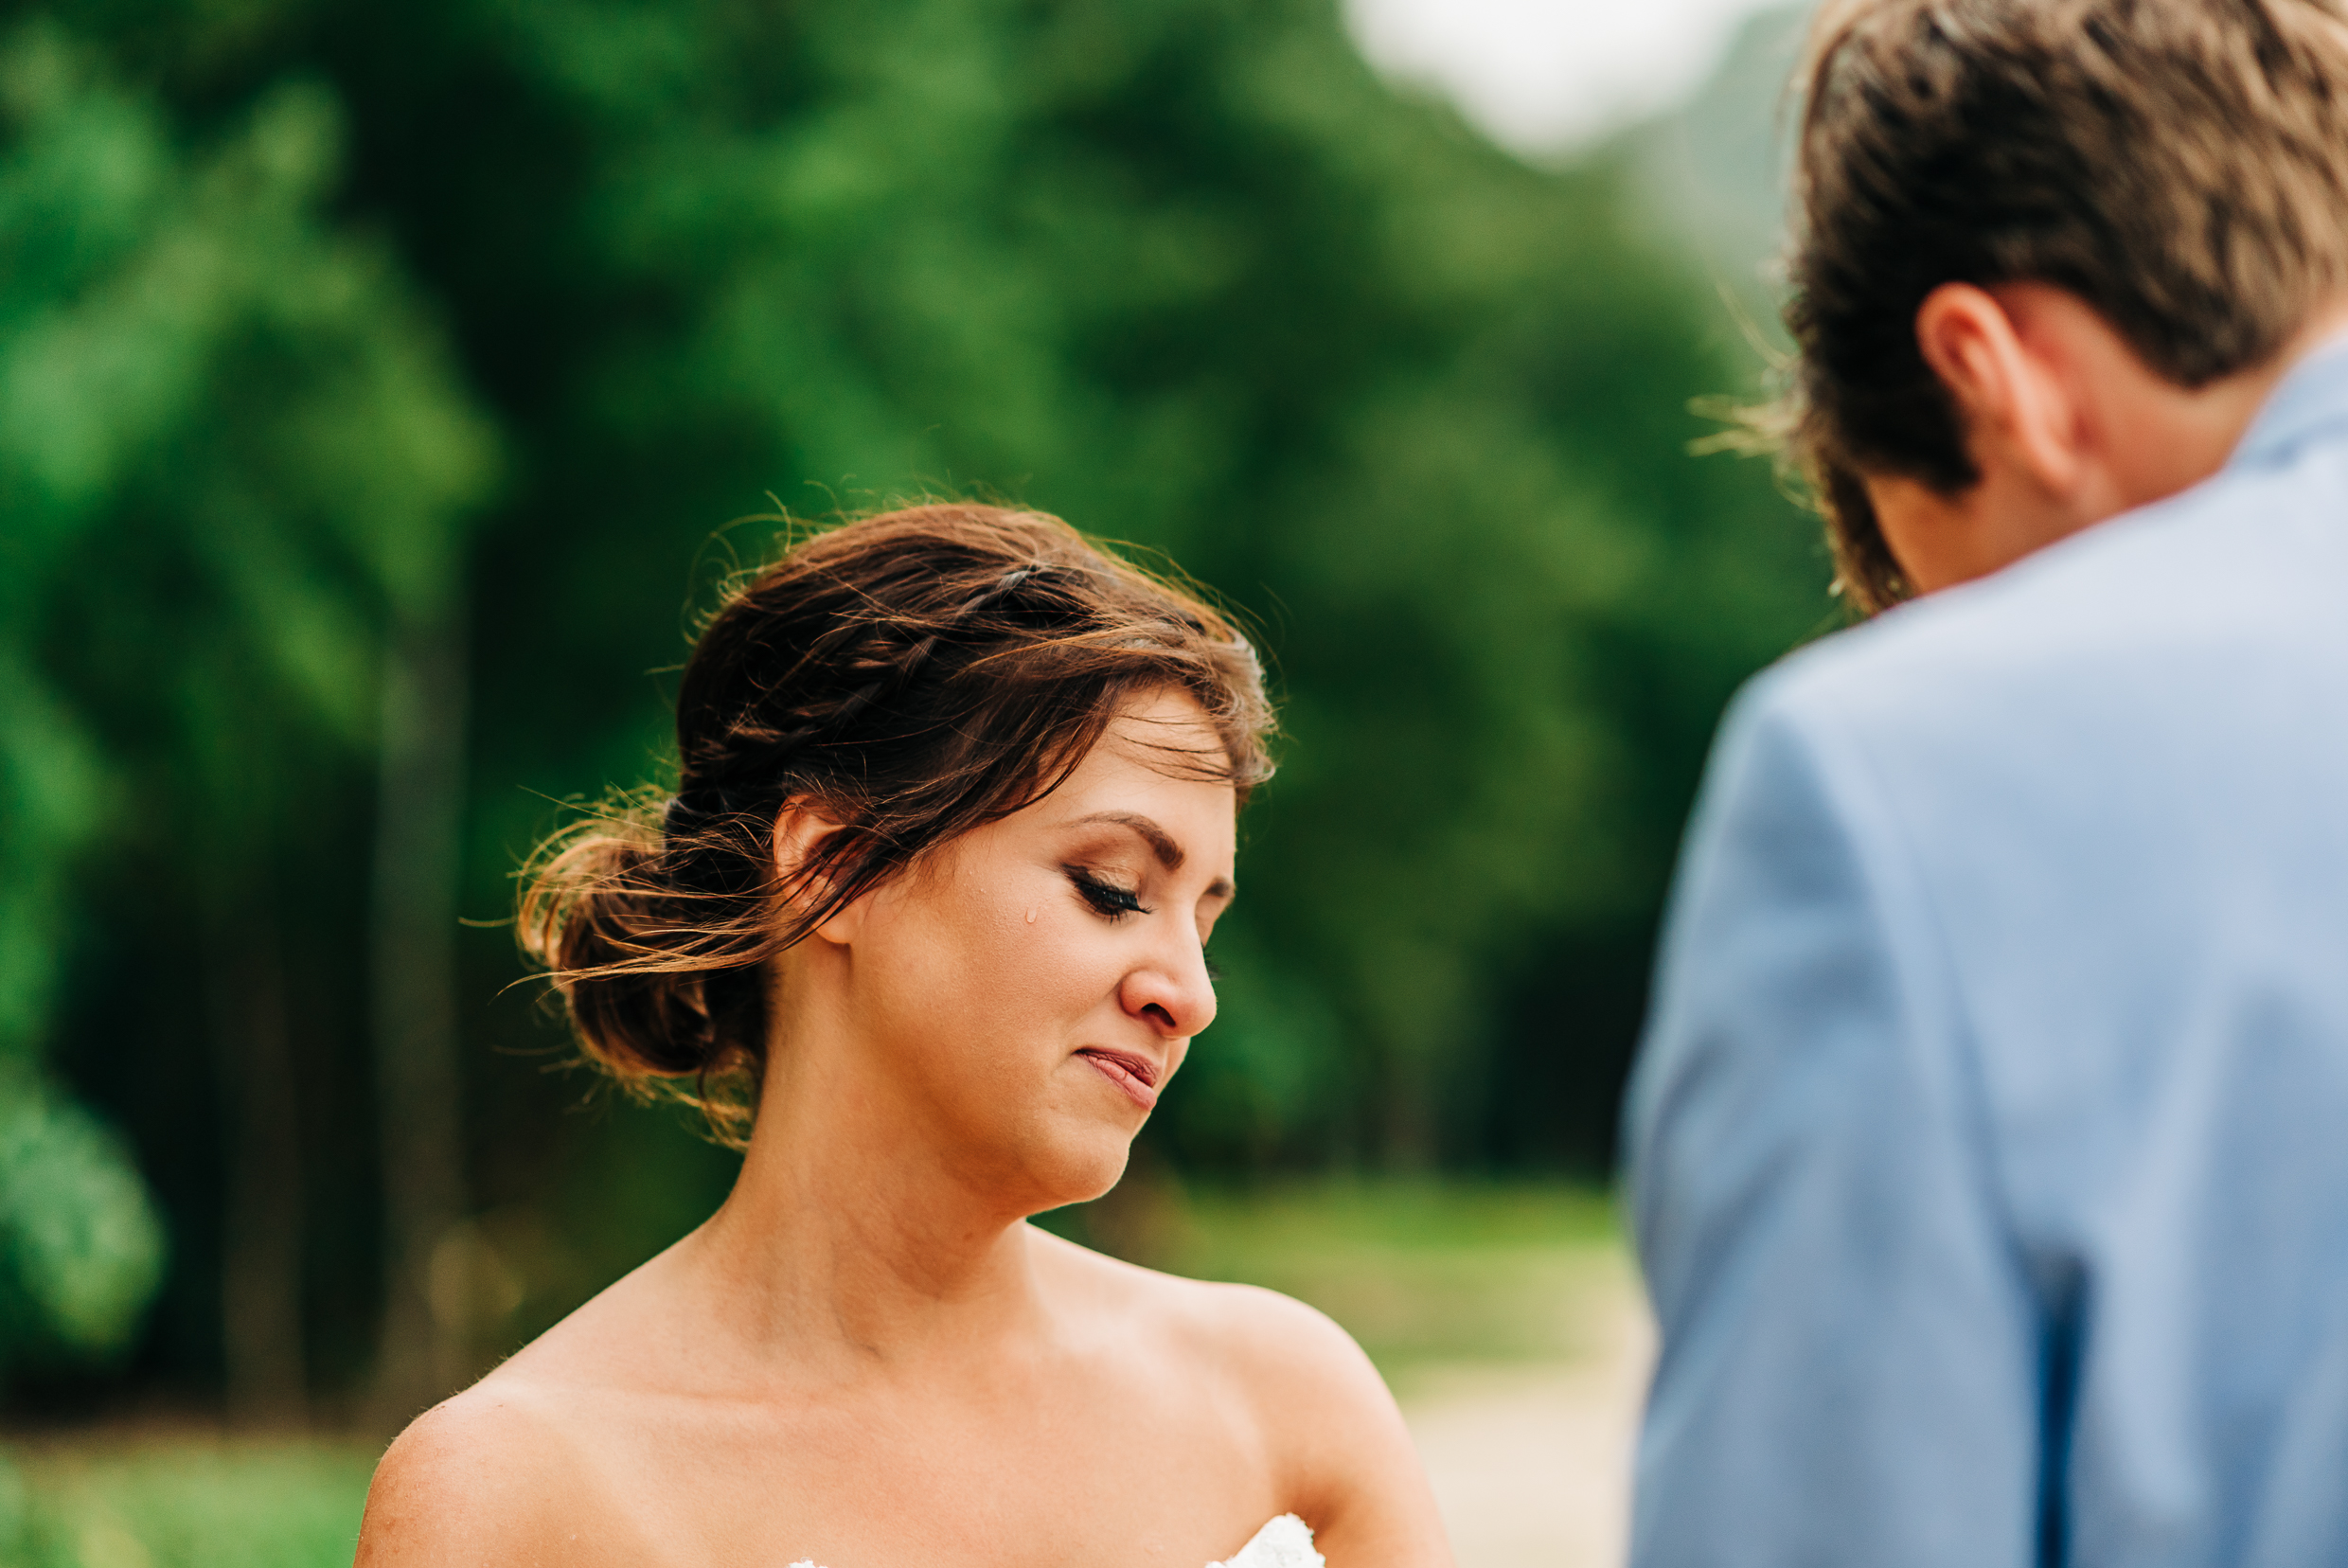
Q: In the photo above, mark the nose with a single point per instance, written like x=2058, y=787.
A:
x=1170, y=991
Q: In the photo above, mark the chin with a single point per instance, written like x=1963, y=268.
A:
x=1081, y=1166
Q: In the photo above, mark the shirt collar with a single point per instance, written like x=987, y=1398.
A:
x=2310, y=401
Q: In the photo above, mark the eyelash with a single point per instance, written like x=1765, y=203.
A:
x=1109, y=900
x=1112, y=902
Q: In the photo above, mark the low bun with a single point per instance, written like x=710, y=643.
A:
x=662, y=985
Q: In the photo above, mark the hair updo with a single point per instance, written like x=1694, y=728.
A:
x=911, y=676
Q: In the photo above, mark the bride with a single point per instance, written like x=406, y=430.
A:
x=925, y=924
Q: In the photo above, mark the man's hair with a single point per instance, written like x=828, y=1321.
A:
x=2181, y=166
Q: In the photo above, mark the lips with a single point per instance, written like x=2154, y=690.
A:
x=1137, y=1077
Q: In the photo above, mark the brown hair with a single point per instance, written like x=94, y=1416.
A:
x=2181, y=166
x=911, y=676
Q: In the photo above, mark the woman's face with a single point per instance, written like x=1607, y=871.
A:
x=1026, y=994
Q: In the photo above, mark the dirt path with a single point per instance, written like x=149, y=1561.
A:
x=1532, y=1462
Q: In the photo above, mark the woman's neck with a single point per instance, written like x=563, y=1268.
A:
x=851, y=1239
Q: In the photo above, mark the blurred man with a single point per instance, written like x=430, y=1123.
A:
x=1989, y=1150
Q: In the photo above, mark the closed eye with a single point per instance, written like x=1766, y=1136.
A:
x=1108, y=900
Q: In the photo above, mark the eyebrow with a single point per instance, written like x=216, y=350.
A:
x=1160, y=844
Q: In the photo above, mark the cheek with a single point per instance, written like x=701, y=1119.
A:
x=985, y=975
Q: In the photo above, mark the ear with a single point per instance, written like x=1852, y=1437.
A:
x=800, y=834
x=2011, y=387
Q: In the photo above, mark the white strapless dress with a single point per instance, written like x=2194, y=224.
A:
x=1286, y=1543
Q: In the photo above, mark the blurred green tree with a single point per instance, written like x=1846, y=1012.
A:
x=1187, y=274
x=1182, y=271
x=232, y=463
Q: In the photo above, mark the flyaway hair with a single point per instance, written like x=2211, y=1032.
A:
x=910, y=676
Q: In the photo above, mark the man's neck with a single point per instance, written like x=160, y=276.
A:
x=2079, y=431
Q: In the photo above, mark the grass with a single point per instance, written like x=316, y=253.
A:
x=181, y=1500
x=1426, y=1274
x=1419, y=1272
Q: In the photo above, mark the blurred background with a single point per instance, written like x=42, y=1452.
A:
x=378, y=384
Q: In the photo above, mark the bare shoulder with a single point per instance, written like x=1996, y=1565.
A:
x=1296, y=1354
x=1240, y=1326
x=502, y=1474
x=1274, y=1342
x=1329, y=1424
x=484, y=1477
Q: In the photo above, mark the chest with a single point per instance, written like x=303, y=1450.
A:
x=1098, y=1471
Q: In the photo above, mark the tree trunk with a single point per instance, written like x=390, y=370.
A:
x=418, y=852
x=262, y=1251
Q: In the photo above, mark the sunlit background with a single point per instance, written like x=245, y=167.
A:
x=378, y=385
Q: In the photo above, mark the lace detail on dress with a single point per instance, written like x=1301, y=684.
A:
x=1286, y=1543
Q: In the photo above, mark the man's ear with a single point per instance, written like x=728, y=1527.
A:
x=801, y=833
x=2016, y=401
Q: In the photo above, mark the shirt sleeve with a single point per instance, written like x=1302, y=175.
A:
x=1852, y=1363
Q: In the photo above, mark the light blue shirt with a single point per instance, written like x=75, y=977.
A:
x=1988, y=1150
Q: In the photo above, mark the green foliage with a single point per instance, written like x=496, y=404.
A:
x=1186, y=274
x=313, y=315
x=228, y=449
x=80, y=1249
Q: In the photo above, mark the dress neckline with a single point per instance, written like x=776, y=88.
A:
x=1283, y=1543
